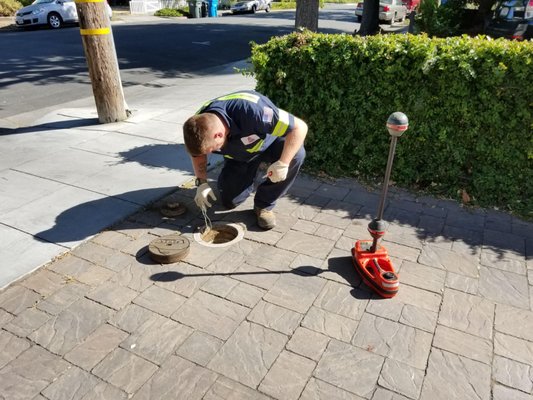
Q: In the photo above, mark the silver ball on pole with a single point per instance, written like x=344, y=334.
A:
x=397, y=124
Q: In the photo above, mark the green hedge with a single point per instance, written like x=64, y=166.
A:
x=469, y=102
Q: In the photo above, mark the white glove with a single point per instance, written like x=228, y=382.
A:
x=277, y=171
x=203, y=192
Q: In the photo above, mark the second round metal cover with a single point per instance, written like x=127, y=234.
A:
x=169, y=249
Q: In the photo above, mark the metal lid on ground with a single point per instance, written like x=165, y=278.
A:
x=169, y=249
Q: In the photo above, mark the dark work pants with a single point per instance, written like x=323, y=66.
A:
x=236, y=180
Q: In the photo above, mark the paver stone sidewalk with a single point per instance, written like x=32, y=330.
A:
x=281, y=314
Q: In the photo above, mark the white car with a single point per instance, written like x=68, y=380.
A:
x=54, y=13
x=251, y=6
x=390, y=11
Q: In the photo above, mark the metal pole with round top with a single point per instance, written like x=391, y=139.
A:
x=370, y=259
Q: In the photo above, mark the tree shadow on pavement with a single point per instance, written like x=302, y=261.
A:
x=51, y=126
x=91, y=217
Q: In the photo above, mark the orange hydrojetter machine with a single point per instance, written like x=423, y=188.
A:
x=370, y=259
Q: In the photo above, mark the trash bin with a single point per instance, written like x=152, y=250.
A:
x=194, y=8
x=213, y=6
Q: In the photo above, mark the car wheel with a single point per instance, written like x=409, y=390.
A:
x=54, y=20
x=268, y=8
x=254, y=8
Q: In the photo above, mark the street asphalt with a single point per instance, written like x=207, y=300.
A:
x=281, y=314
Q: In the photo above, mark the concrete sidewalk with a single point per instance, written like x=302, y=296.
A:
x=280, y=314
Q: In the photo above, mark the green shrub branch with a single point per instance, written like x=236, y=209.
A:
x=469, y=102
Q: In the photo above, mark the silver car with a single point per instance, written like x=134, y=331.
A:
x=54, y=13
x=251, y=6
x=389, y=11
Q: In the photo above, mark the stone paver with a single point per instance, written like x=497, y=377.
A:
x=97, y=345
x=320, y=390
x=275, y=317
x=281, y=314
x=27, y=322
x=401, y=378
x=308, y=343
x=349, y=368
x=211, y=314
x=512, y=373
x=391, y=339
x=16, y=299
x=225, y=388
x=200, y=348
x=11, y=347
x=330, y=324
x=450, y=376
x=515, y=322
x=450, y=261
x=62, y=333
x=74, y=384
x=248, y=354
x=505, y=393
x=287, y=377
x=462, y=343
x=295, y=291
x=513, y=348
x=125, y=370
x=338, y=298
x=160, y=300
x=156, y=339
x=31, y=372
x=177, y=376
x=467, y=313
x=63, y=298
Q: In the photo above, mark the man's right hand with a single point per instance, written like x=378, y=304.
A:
x=203, y=193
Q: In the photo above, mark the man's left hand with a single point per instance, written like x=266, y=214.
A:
x=277, y=171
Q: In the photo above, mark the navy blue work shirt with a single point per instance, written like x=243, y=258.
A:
x=254, y=123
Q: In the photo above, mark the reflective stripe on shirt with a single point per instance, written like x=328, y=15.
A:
x=257, y=147
x=283, y=123
x=244, y=96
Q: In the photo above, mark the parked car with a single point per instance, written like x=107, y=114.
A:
x=251, y=6
x=389, y=11
x=54, y=13
x=512, y=20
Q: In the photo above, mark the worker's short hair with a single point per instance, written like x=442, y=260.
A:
x=196, y=133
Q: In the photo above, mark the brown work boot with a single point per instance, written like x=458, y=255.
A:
x=265, y=218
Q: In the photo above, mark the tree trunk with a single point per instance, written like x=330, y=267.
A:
x=370, y=22
x=97, y=39
x=484, y=13
x=307, y=15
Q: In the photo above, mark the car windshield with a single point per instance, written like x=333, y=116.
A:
x=43, y=1
x=513, y=9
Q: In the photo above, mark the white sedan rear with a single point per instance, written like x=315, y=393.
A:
x=251, y=6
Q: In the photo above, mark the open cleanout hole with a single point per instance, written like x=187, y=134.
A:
x=219, y=235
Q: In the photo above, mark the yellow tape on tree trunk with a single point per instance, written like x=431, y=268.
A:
x=100, y=31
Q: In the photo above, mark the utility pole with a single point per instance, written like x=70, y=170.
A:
x=97, y=38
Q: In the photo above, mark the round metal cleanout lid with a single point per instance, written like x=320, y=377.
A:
x=172, y=209
x=169, y=249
